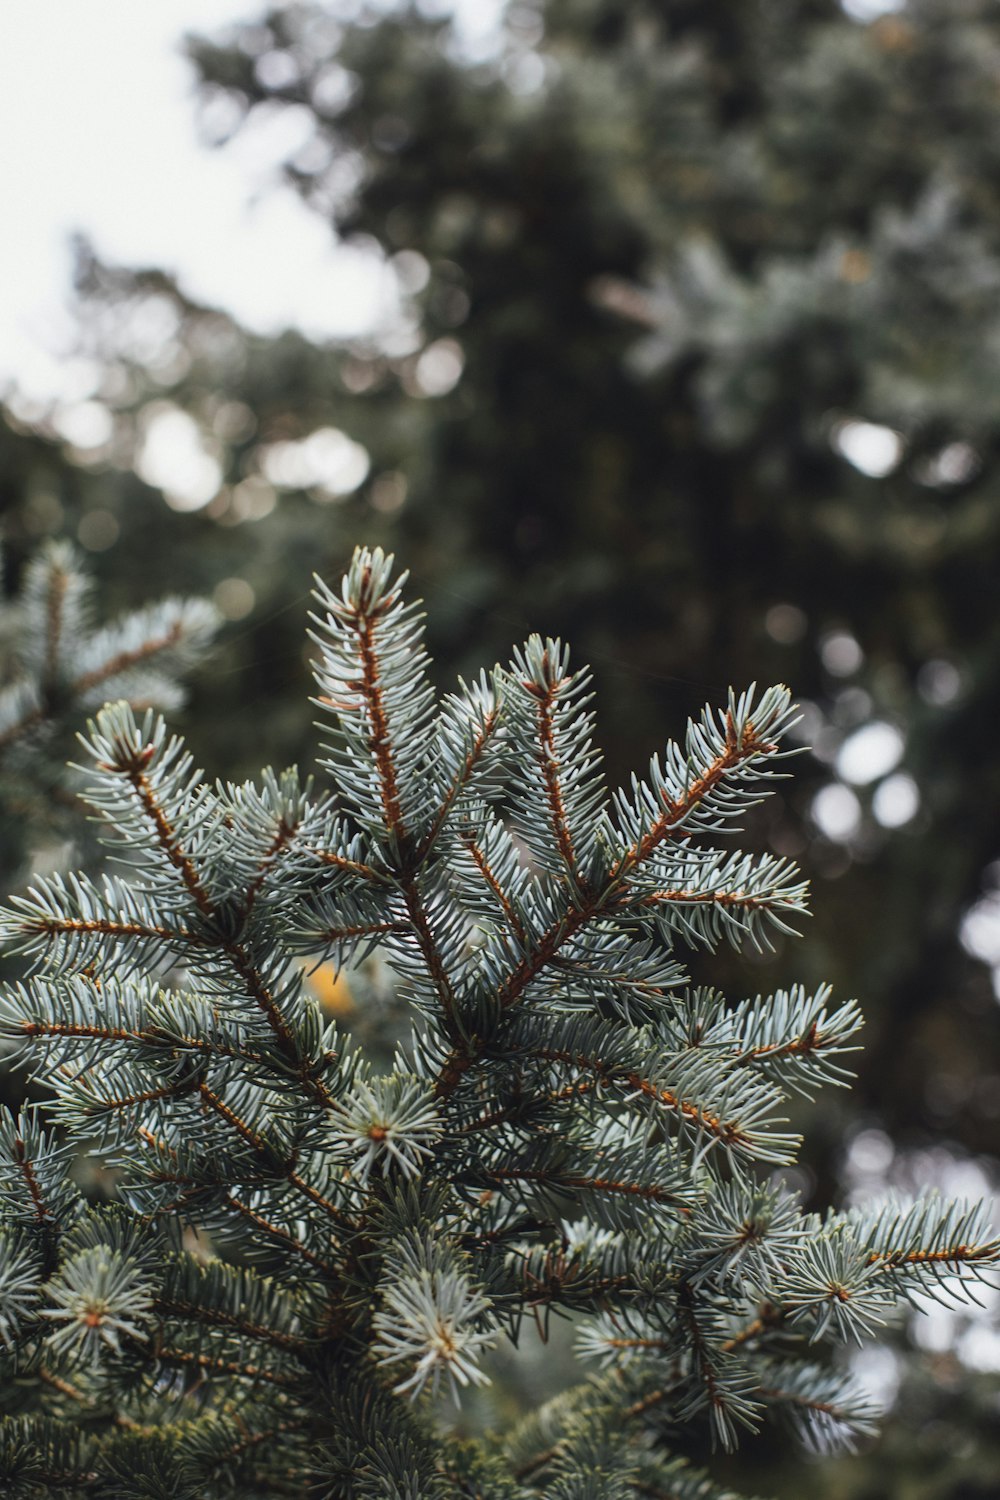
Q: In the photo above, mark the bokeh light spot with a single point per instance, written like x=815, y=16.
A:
x=173, y=457
x=234, y=598
x=86, y=424
x=439, y=368
x=896, y=801
x=836, y=812
x=871, y=448
x=980, y=930
x=388, y=492
x=939, y=682
x=870, y=752
x=840, y=653
x=327, y=463
x=98, y=530
x=785, y=623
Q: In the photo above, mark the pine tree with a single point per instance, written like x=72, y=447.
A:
x=684, y=251
x=301, y=1250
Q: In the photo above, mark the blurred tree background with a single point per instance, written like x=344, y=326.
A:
x=695, y=362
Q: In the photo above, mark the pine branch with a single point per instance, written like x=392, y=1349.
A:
x=569, y=1129
x=63, y=663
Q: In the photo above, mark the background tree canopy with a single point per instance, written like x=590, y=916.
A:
x=695, y=364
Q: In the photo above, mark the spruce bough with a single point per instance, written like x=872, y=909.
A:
x=57, y=664
x=301, y=1249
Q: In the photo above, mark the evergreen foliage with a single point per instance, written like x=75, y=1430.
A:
x=58, y=664
x=683, y=253
x=300, y=1250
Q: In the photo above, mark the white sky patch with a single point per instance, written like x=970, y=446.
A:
x=872, y=449
x=327, y=461
x=980, y=934
x=871, y=1151
x=896, y=801
x=879, y=1373
x=934, y=1328
x=96, y=104
x=979, y=1347
x=85, y=424
x=837, y=812
x=172, y=456
x=870, y=10
x=870, y=752
x=980, y=931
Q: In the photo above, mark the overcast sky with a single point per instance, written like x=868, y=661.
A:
x=97, y=118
